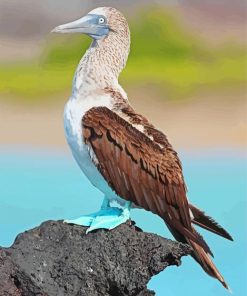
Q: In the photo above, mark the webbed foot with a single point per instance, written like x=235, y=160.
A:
x=107, y=218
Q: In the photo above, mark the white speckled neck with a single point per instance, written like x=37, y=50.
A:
x=93, y=74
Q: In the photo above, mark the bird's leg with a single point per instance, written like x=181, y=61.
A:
x=108, y=217
x=105, y=204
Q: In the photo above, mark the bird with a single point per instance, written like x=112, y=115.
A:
x=122, y=154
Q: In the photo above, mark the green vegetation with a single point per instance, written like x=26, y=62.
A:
x=163, y=54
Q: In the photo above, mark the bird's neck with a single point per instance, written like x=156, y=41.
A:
x=101, y=65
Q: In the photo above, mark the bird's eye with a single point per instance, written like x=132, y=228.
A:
x=101, y=20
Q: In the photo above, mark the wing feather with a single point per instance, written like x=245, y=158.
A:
x=138, y=169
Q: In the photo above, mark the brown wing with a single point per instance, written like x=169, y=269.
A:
x=139, y=169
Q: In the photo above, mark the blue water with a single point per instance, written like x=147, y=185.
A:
x=37, y=185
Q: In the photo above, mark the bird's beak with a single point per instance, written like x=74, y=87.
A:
x=85, y=25
x=81, y=25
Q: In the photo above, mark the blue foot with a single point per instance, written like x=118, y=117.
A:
x=107, y=218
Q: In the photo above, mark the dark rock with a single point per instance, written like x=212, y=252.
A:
x=59, y=259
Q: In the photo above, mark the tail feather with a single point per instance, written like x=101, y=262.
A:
x=208, y=223
x=206, y=263
x=200, y=253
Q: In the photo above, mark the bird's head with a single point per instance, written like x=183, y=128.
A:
x=99, y=24
x=111, y=37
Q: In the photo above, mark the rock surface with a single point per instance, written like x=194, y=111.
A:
x=60, y=259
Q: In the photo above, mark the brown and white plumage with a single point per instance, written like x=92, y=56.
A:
x=142, y=167
x=120, y=152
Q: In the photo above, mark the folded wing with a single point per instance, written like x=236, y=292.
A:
x=139, y=169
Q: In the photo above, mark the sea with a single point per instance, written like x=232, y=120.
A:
x=39, y=184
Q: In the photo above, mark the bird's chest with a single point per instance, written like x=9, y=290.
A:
x=73, y=114
x=83, y=154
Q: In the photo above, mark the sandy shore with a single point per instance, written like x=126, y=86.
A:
x=211, y=121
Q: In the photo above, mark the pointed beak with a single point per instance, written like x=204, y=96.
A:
x=81, y=25
x=85, y=25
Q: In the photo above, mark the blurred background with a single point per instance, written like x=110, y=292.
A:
x=186, y=73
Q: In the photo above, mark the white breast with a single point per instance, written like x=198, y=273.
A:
x=73, y=113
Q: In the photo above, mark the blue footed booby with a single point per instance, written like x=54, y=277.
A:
x=119, y=150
